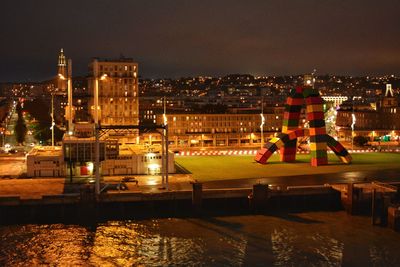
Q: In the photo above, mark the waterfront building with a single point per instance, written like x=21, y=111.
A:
x=77, y=156
x=45, y=162
x=218, y=130
x=376, y=120
x=137, y=159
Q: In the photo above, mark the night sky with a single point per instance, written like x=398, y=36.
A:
x=170, y=38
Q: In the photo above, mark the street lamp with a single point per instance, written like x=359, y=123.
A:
x=262, y=122
x=96, y=96
x=353, y=118
x=52, y=120
x=2, y=138
x=97, y=137
x=164, y=151
x=262, y=129
x=353, y=121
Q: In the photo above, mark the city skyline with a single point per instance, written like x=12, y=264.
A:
x=210, y=133
x=178, y=39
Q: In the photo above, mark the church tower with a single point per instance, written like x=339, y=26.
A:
x=62, y=69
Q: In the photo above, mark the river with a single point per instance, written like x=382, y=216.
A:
x=297, y=239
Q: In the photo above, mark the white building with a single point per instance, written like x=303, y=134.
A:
x=131, y=159
x=45, y=162
x=136, y=159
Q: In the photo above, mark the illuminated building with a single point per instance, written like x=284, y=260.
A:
x=77, y=157
x=45, y=162
x=136, y=159
x=336, y=100
x=62, y=70
x=118, y=92
x=382, y=118
x=202, y=130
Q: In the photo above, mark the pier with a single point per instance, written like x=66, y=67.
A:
x=376, y=199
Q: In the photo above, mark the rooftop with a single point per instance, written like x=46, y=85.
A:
x=45, y=151
x=129, y=149
x=121, y=59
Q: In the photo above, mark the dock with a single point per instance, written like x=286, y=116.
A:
x=380, y=200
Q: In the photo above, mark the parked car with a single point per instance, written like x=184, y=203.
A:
x=127, y=179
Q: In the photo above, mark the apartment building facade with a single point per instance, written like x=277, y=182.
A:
x=117, y=91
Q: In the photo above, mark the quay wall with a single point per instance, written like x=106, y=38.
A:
x=85, y=208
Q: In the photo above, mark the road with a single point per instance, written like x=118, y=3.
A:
x=10, y=136
x=12, y=166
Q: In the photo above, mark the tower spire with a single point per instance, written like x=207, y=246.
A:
x=61, y=70
x=61, y=58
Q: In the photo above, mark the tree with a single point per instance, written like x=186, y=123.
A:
x=20, y=129
x=41, y=130
x=42, y=133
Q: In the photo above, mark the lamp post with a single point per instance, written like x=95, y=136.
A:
x=353, y=122
x=52, y=120
x=2, y=137
x=262, y=123
x=353, y=118
x=165, y=143
x=96, y=96
x=97, y=156
x=96, y=125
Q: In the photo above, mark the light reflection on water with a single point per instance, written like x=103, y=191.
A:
x=306, y=239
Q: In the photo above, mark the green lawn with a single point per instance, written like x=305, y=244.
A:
x=208, y=168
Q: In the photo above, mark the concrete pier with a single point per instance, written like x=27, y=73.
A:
x=394, y=217
x=191, y=198
x=259, y=197
x=350, y=203
x=197, y=196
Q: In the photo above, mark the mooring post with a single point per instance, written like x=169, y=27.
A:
x=386, y=201
x=260, y=196
x=373, y=207
x=394, y=217
x=197, y=195
x=88, y=204
x=350, y=198
x=398, y=194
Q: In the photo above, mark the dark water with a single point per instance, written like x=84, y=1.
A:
x=302, y=239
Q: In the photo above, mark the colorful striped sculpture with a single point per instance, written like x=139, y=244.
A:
x=286, y=141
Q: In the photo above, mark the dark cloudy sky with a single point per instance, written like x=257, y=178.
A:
x=173, y=38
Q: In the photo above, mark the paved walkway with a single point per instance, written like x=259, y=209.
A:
x=37, y=187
